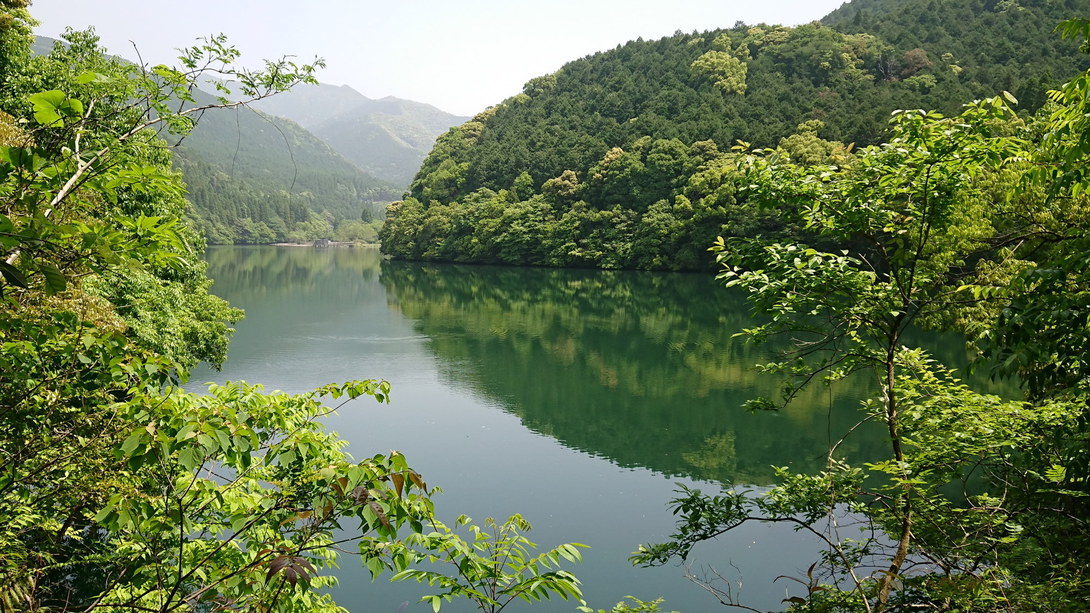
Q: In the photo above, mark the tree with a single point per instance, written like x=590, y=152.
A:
x=15, y=36
x=930, y=241
x=495, y=567
x=613, y=120
x=723, y=66
x=119, y=491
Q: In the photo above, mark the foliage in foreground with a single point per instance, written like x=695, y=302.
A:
x=494, y=567
x=118, y=490
x=977, y=222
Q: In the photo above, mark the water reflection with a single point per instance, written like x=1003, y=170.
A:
x=248, y=273
x=640, y=368
x=492, y=367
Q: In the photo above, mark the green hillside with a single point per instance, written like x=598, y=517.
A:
x=622, y=159
x=999, y=44
x=257, y=178
x=387, y=138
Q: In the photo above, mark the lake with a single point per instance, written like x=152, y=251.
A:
x=577, y=398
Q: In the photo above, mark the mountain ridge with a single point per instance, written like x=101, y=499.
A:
x=621, y=159
x=387, y=137
x=253, y=177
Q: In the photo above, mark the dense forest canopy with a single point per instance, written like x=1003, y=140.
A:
x=975, y=222
x=848, y=221
x=623, y=159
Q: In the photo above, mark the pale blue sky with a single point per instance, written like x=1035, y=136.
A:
x=459, y=56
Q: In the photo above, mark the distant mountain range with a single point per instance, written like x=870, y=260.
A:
x=298, y=165
x=387, y=138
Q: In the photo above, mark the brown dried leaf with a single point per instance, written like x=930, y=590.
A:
x=360, y=495
x=293, y=568
x=340, y=485
x=377, y=508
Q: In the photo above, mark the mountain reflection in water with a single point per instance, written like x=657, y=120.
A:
x=575, y=397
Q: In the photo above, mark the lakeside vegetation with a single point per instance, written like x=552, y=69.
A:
x=626, y=158
x=119, y=492
x=974, y=223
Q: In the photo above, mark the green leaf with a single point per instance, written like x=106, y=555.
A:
x=187, y=431
x=238, y=522
x=190, y=458
x=47, y=105
x=90, y=77
x=12, y=275
x=375, y=567
x=52, y=107
x=22, y=157
x=106, y=516
x=1056, y=473
x=223, y=440
x=134, y=441
x=55, y=281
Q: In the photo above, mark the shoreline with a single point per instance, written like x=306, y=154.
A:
x=325, y=245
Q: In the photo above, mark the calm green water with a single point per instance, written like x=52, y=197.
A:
x=577, y=398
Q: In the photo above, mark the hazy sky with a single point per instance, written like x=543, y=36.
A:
x=461, y=56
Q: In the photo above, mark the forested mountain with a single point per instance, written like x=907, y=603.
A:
x=387, y=138
x=999, y=44
x=120, y=491
x=41, y=45
x=621, y=159
x=256, y=178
